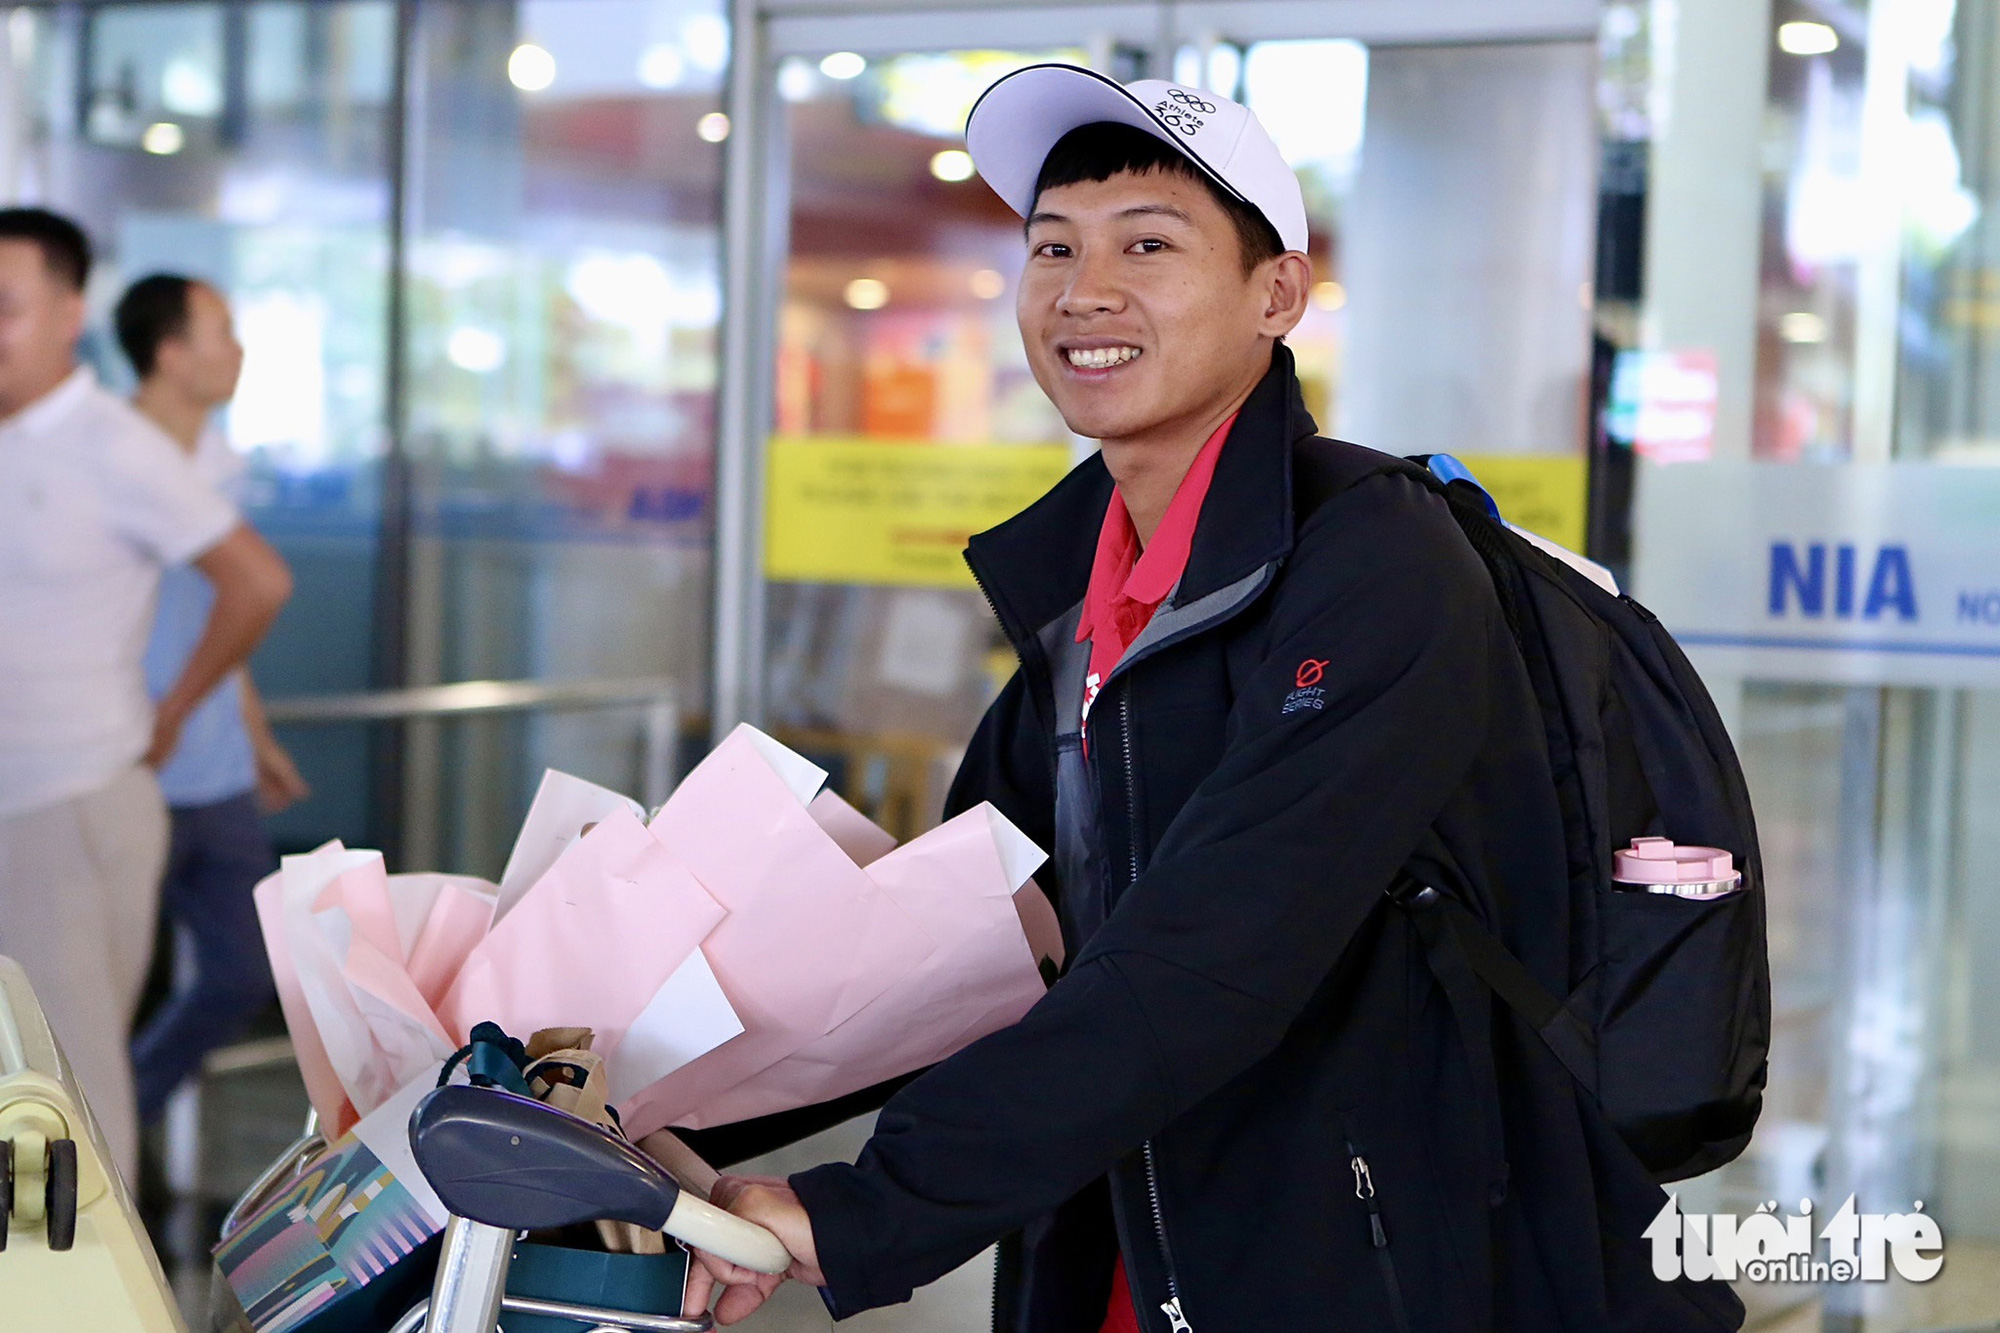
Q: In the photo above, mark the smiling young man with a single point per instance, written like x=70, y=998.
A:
x=1260, y=679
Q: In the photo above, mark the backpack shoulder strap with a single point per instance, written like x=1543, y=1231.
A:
x=1323, y=468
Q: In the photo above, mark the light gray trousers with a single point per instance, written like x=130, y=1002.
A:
x=79, y=893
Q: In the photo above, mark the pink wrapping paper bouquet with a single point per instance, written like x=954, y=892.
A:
x=757, y=946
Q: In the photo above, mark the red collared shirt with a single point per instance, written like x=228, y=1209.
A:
x=1127, y=585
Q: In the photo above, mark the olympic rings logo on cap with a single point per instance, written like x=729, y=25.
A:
x=1191, y=102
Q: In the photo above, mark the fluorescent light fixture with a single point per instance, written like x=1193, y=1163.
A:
x=842, y=65
x=1329, y=295
x=713, y=127
x=866, y=294
x=163, y=138
x=988, y=284
x=1804, y=38
x=531, y=68
x=953, y=164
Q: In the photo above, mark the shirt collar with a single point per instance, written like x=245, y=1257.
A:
x=1152, y=575
x=49, y=410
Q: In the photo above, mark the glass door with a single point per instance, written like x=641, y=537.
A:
x=1450, y=185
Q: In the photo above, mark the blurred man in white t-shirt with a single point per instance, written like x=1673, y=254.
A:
x=94, y=502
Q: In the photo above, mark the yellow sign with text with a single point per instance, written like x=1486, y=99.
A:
x=864, y=511
x=846, y=510
x=1549, y=495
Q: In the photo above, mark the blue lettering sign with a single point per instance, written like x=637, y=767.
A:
x=1809, y=583
x=1980, y=608
x=1891, y=585
x=1803, y=581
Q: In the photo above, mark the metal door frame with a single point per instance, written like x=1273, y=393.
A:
x=756, y=203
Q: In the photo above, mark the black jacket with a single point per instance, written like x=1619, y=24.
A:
x=1247, y=1074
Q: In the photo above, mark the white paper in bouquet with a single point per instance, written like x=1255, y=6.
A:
x=386, y=1132
x=563, y=806
x=360, y=1026
x=281, y=908
x=958, y=882
x=810, y=939
x=687, y=1017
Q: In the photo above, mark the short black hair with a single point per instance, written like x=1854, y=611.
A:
x=65, y=249
x=152, y=310
x=1102, y=149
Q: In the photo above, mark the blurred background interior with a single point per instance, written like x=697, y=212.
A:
x=656, y=356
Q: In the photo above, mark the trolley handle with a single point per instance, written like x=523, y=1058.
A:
x=510, y=1161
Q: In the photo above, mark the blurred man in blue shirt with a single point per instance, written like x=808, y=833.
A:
x=181, y=341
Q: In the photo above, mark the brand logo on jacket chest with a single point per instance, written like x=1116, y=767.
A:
x=1307, y=694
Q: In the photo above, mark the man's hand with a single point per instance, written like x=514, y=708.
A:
x=769, y=1202
x=279, y=782
x=167, y=723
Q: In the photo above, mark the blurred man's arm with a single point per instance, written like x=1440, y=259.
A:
x=279, y=782
x=251, y=583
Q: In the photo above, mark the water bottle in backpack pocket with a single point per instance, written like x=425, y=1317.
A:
x=1677, y=931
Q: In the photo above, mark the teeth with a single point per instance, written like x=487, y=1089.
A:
x=1100, y=358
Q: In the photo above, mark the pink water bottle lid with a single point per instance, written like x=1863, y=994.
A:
x=1659, y=861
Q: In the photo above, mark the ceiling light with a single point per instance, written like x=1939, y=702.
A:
x=661, y=65
x=866, y=294
x=1329, y=295
x=705, y=38
x=987, y=283
x=480, y=351
x=842, y=65
x=713, y=127
x=163, y=138
x=953, y=164
x=1802, y=38
x=531, y=68
x=1802, y=326
x=190, y=87
x=796, y=80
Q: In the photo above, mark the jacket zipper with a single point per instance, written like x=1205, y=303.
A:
x=1177, y=1320
x=1378, y=1235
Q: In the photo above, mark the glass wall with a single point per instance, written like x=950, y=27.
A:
x=564, y=288
x=1808, y=362
x=534, y=501
x=248, y=145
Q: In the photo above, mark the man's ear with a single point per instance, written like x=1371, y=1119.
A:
x=75, y=315
x=1287, y=284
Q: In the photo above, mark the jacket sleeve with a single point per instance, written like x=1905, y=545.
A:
x=1365, y=714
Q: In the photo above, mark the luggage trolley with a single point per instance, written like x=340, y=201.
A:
x=73, y=1254
x=503, y=1164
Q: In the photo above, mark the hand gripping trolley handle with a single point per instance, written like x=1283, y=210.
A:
x=503, y=1164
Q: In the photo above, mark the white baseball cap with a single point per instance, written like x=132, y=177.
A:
x=1019, y=119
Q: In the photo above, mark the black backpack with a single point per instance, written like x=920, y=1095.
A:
x=1668, y=1019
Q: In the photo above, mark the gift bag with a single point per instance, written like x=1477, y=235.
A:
x=349, y=1244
